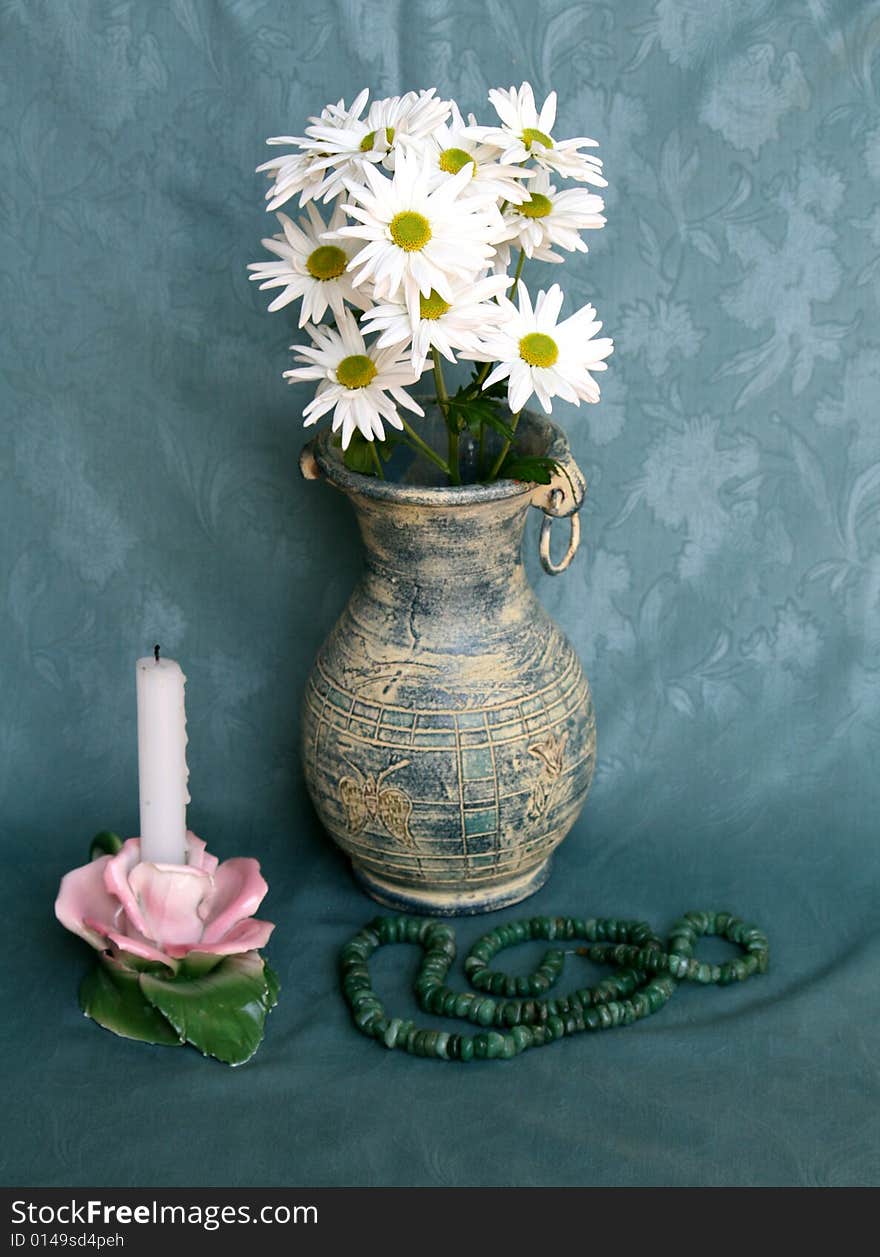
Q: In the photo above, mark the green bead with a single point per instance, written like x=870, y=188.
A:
x=555, y=1027
x=508, y=1047
x=494, y=1045
x=392, y=1032
x=466, y=1049
x=523, y=1037
x=405, y=1034
x=436, y=1000
x=366, y=1017
x=512, y=1013
x=483, y=1012
x=463, y=1004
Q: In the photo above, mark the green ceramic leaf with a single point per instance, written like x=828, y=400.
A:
x=273, y=986
x=195, y=964
x=221, y=1013
x=111, y=996
x=104, y=843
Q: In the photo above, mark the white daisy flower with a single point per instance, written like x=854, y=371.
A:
x=403, y=121
x=420, y=234
x=294, y=175
x=535, y=354
x=453, y=148
x=525, y=133
x=550, y=217
x=447, y=326
x=340, y=144
x=315, y=171
x=360, y=385
x=310, y=268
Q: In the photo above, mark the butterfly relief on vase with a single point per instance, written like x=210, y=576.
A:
x=549, y=752
x=366, y=797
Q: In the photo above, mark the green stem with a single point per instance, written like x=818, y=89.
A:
x=440, y=385
x=377, y=462
x=487, y=366
x=452, y=425
x=517, y=274
x=422, y=446
x=505, y=448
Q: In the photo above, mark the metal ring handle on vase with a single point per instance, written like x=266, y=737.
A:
x=562, y=498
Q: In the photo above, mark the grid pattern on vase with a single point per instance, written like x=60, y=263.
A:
x=464, y=821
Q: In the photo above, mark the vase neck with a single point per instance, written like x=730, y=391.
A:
x=456, y=550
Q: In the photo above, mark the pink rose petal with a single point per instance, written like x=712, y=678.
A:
x=239, y=889
x=248, y=935
x=140, y=947
x=82, y=895
x=197, y=856
x=169, y=897
x=161, y=911
x=116, y=881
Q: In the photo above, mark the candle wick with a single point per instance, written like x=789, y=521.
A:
x=156, y=652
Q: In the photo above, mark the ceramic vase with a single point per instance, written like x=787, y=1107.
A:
x=448, y=732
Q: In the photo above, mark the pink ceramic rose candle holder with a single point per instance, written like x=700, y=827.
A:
x=178, y=946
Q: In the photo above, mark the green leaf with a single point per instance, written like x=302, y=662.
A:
x=528, y=467
x=111, y=995
x=359, y=455
x=471, y=411
x=104, y=843
x=222, y=1013
x=494, y=420
x=195, y=964
x=273, y=985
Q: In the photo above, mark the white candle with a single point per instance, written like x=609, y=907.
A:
x=162, y=770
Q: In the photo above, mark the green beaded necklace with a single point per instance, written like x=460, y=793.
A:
x=647, y=977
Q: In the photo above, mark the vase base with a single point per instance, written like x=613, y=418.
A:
x=453, y=903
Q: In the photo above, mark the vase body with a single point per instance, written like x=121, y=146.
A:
x=448, y=732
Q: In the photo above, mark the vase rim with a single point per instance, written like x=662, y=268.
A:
x=329, y=459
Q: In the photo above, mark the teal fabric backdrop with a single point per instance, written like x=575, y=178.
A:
x=725, y=601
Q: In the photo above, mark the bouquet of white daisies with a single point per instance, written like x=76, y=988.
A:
x=410, y=264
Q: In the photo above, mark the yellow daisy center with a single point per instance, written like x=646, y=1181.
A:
x=370, y=139
x=452, y=160
x=410, y=231
x=537, y=206
x=356, y=371
x=531, y=135
x=326, y=262
x=538, y=350
x=432, y=306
